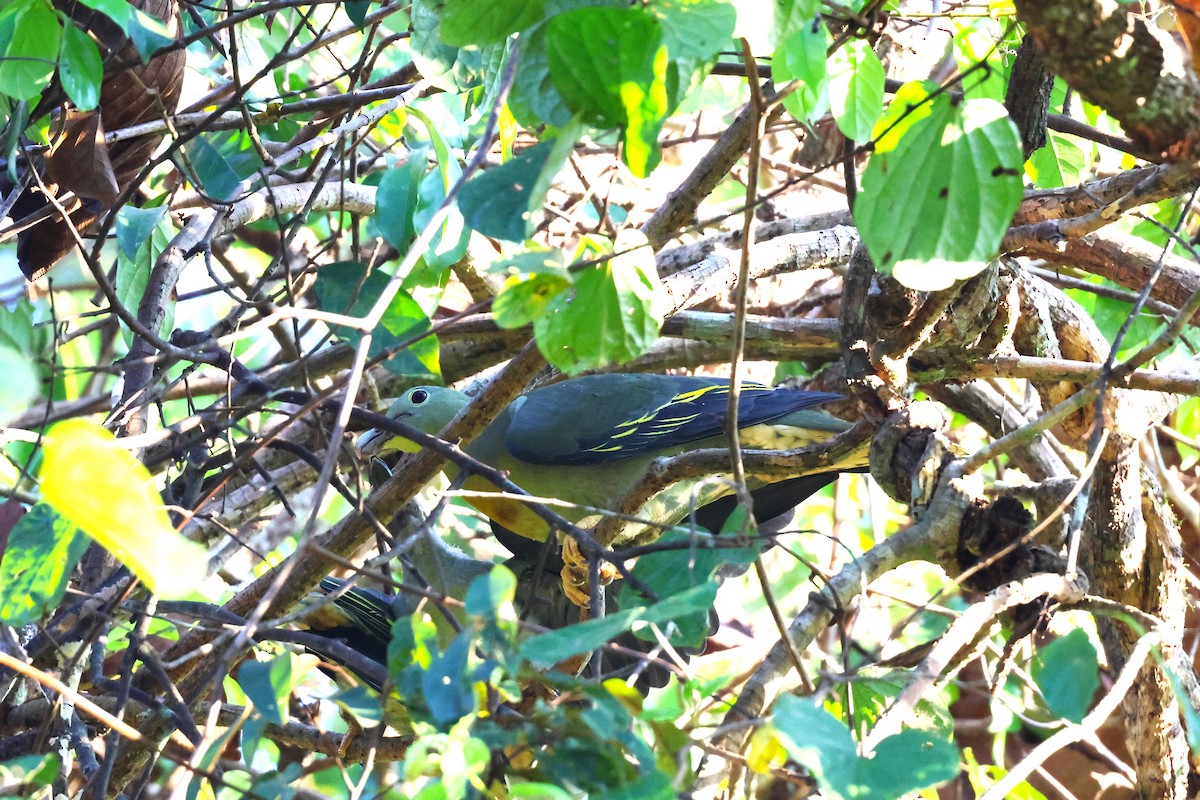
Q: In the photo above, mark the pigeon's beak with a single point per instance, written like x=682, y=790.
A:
x=371, y=443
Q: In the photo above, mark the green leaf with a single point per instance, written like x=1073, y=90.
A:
x=873, y=692
x=1186, y=420
x=488, y=593
x=346, y=288
x=790, y=16
x=480, y=22
x=538, y=791
x=647, y=786
x=357, y=10
x=856, y=79
x=608, y=317
x=449, y=244
x=907, y=762
x=1067, y=671
x=360, y=703
x=911, y=104
x=80, y=68
x=447, y=68
x=142, y=235
x=396, y=202
x=222, y=161
x=802, y=57
x=934, y=209
x=533, y=99
x=29, y=770
x=975, y=45
x=413, y=644
x=1059, y=162
x=449, y=695
x=134, y=227
x=43, y=548
x=534, y=262
x=146, y=32
x=266, y=683
x=520, y=302
x=501, y=201
x=673, y=572
x=1191, y=718
x=695, y=32
x=548, y=649
x=24, y=331
x=984, y=776
x=609, y=65
x=29, y=42
x=21, y=384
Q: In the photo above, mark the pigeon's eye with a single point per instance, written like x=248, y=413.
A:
x=418, y=396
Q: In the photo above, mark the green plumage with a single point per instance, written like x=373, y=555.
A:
x=589, y=440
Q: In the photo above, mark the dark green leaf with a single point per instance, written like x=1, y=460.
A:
x=147, y=33
x=134, y=226
x=1067, y=672
x=934, y=207
x=268, y=685
x=648, y=786
x=43, y=548
x=907, y=762
x=357, y=10
x=672, y=572
x=480, y=22
x=360, y=703
x=29, y=43
x=144, y=230
x=501, y=201
x=81, y=68
x=448, y=692
x=533, y=98
x=396, y=201
x=222, y=161
x=447, y=68
x=450, y=242
x=345, y=288
x=548, y=649
x=609, y=65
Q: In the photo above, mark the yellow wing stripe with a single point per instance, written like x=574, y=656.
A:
x=661, y=426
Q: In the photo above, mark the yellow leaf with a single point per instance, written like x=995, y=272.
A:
x=100, y=487
x=765, y=751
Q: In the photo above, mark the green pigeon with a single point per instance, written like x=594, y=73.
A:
x=589, y=440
